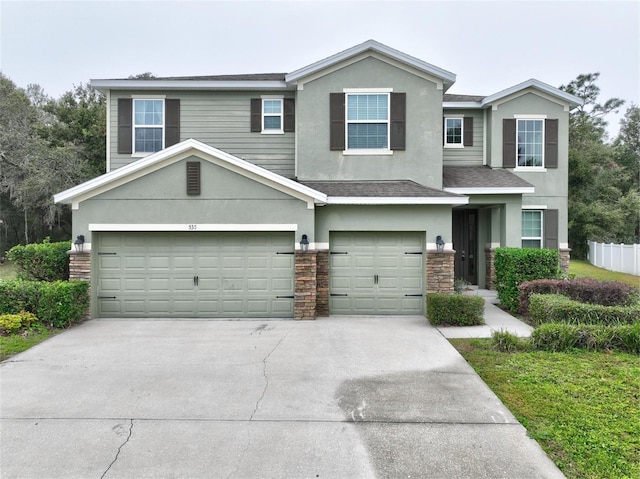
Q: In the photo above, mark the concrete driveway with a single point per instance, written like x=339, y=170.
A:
x=332, y=398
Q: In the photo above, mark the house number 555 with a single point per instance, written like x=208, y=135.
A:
x=193, y=227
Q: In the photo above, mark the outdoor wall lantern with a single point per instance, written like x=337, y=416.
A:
x=304, y=244
x=78, y=244
x=439, y=244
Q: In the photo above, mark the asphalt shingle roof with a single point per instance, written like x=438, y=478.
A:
x=481, y=177
x=240, y=77
x=462, y=98
x=387, y=189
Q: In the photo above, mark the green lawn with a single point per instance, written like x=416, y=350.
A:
x=16, y=343
x=583, y=408
x=584, y=269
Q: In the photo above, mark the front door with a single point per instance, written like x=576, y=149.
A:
x=465, y=243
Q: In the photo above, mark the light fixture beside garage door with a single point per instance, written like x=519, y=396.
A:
x=439, y=244
x=78, y=244
x=304, y=243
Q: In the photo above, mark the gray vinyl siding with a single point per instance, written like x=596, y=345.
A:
x=220, y=120
x=469, y=155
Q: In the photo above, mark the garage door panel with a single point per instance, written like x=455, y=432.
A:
x=376, y=274
x=196, y=274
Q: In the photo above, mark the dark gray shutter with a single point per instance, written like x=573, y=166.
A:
x=125, y=125
x=256, y=114
x=509, y=143
x=289, y=121
x=398, y=121
x=193, y=177
x=551, y=143
x=336, y=121
x=550, y=229
x=172, y=122
x=468, y=131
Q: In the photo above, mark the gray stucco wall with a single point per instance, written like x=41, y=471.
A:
x=160, y=198
x=422, y=159
x=220, y=119
x=469, y=155
x=551, y=186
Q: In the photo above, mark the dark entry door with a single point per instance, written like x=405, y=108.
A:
x=465, y=243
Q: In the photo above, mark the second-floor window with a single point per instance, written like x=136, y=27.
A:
x=148, y=125
x=367, y=121
x=272, y=115
x=530, y=137
x=453, y=132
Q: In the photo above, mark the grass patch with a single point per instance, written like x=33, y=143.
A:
x=16, y=343
x=582, y=407
x=584, y=269
x=7, y=271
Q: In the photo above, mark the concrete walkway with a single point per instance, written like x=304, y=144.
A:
x=339, y=397
x=495, y=319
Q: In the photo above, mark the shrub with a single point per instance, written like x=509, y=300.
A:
x=585, y=290
x=57, y=303
x=555, y=308
x=12, y=323
x=455, y=309
x=595, y=337
x=517, y=265
x=44, y=261
x=506, y=342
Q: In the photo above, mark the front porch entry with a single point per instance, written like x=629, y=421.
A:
x=465, y=244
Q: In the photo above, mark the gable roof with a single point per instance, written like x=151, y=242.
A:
x=447, y=77
x=177, y=152
x=483, y=180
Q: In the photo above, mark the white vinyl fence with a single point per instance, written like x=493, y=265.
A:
x=624, y=258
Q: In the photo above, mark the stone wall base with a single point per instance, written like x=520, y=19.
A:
x=322, y=286
x=440, y=271
x=565, y=259
x=490, y=269
x=305, y=303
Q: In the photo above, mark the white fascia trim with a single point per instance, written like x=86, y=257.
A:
x=194, y=228
x=104, y=85
x=461, y=104
x=159, y=159
x=537, y=84
x=398, y=200
x=491, y=191
x=108, y=132
x=371, y=45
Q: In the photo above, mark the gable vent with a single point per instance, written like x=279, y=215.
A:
x=193, y=177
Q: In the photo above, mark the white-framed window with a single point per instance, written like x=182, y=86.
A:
x=272, y=115
x=530, y=143
x=367, y=121
x=532, y=229
x=453, y=133
x=148, y=125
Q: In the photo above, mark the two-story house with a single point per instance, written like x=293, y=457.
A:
x=353, y=185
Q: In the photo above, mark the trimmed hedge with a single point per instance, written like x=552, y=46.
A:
x=44, y=261
x=12, y=323
x=455, y=309
x=57, y=303
x=514, y=266
x=555, y=308
x=596, y=337
x=584, y=290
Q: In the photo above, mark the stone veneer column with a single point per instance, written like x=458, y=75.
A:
x=322, y=283
x=80, y=266
x=490, y=269
x=305, y=285
x=440, y=271
x=564, y=259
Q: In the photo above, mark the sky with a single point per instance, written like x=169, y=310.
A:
x=489, y=45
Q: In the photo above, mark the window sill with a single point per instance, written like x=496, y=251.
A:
x=272, y=132
x=453, y=146
x=143, y=154
x=531, y=169
x=367, y=152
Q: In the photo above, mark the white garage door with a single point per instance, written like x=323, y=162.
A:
x=376, y=273
x=195, y=274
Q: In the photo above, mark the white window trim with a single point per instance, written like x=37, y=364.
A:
x=454, y=145
x=347, y=122
x=539, y=169
x=272, y=131
x=141, y=154
x=541, y=237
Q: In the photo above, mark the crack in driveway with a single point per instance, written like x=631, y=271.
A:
x=119, y=449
